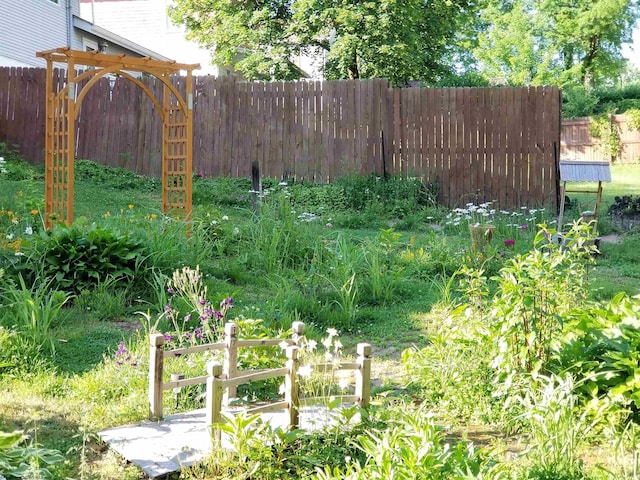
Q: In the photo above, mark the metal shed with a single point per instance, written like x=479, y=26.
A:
x=583, y=171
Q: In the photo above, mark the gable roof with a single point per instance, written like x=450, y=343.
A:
x=93, y=29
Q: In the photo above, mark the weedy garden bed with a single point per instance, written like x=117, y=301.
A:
x=519, y=336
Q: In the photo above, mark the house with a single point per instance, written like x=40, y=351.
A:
x=30, y=26
x=146, y=22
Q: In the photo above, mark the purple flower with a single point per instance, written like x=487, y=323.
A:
x=168, y=337
x=171, y=290
x=167, y=308
x=218, y=315
x=208, y=312
x=202, y=302
x=227, y=302
x=509, y=242
x=187, y=317
x=524, y=226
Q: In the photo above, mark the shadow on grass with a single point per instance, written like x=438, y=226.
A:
x=81, y=346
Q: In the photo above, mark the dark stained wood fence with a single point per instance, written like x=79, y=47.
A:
x=477, y=144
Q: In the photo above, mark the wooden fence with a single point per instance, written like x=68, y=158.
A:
x=577, y=143
x=478, y=144
x=222, y=379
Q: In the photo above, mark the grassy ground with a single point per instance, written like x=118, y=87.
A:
x=85, y=334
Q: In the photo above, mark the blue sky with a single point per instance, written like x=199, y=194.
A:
x=633, y=56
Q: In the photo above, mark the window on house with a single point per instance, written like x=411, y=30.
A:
x=54, y=1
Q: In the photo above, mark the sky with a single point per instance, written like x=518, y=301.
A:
x=633, y=56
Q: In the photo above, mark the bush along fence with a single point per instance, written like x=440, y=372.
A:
x=222, y=379
x=487, y=144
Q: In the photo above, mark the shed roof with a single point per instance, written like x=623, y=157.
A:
x=584, y=171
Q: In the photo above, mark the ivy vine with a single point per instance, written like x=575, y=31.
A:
x=634, y=118
x=608, y=134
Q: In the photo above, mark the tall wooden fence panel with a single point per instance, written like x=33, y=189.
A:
x=578, y=143
x=478, y=144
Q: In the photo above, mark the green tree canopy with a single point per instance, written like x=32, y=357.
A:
x=554, y=41
x=400, y=40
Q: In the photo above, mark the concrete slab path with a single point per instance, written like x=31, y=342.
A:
x=181, y=440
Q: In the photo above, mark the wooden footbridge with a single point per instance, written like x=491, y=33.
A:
x=164, y=444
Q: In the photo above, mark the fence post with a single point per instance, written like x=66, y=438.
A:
x=214, y=400
x=291, y=385
x=298, y=329
x=363, y=374
x=156, y=365
x=230, y=368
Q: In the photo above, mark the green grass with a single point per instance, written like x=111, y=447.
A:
x=81, y=388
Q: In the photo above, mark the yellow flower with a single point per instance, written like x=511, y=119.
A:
x=107, y=215
x=14, y=220
x=9, y=213
x=34, y=211
x=130, y=207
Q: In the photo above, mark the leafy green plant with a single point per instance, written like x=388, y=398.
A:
x=412, y=446
x=34, y=309
x=533, y=293
x=77, y=258
x=601, y=345
x=18, y=461
x=555, y=429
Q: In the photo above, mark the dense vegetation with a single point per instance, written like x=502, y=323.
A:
x=532, y=339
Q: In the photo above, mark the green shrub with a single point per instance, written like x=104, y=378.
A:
x=114, y=178
x=76, y=258
x=13, y=166
x=18, y=461
x=601, y=345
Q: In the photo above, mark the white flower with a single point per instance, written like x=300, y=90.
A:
x=282, y=390
x=311, y=345
x=10, y=236
x=337, y=345
x=283, y=344
x=28, y=230
x=344, y=383
x=305, y=371
x=225, y=217
x=236, y=231
x=332, y=332
x=214, y=222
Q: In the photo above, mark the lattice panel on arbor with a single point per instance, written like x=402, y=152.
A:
x=177, y=172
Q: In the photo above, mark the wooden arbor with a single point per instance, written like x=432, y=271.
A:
x=63, y=105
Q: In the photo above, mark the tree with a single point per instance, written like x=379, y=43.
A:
x=400, y=40
x=554, y=41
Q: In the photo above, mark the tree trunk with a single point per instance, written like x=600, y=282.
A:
x=352, y=69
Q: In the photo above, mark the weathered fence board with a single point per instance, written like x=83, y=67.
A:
x=478, y=144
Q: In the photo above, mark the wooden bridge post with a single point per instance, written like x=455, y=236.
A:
x=230, y=367
x=363, y=374
x=156, y=366
x=214, y=400
x=298, y=329
x=291, y=395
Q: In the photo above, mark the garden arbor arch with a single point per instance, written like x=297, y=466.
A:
x=63, y=106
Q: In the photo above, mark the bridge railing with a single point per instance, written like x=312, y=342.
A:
x=222, y=379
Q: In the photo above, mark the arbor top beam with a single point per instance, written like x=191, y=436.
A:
x=97, y=59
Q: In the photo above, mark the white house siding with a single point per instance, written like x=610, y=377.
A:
x=30, y=26
x=146, y=22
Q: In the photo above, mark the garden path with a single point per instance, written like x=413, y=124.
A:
x=180, y=440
